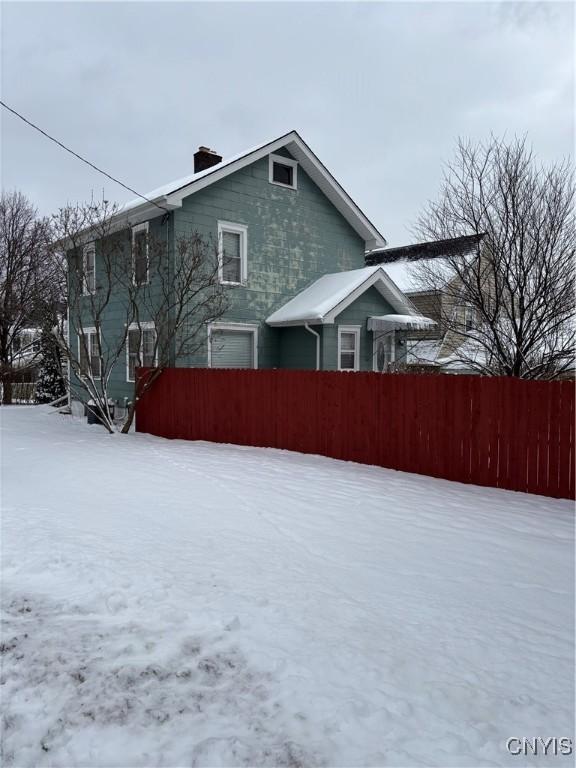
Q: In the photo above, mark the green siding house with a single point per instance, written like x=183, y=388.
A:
x=301, y=296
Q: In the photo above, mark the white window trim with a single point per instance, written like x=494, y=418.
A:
x=283, y=161
x=144, y=227
x=237, y=229
x=87, y=332
x=355, y=329
x=89, y=247
x=149, y=324
x=234, y=327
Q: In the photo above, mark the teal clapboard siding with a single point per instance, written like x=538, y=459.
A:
x=370, y=303
x=294, y=237
x=114, y=318
x=297, y=348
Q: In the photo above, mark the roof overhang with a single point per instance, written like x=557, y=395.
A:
x=400, y=323
x=377, y=279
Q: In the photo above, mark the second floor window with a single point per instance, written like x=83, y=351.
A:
x=141, y=349
x=140, y=254
x=89, y=268
x=232, y=252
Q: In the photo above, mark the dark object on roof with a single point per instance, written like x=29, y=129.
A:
x=456, y=246
x=205, y=158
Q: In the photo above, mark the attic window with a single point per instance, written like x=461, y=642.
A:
x=283, y=171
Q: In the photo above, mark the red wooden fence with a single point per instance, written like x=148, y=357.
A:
x=498, y=432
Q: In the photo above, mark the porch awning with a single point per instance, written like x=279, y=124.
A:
x=400, y=323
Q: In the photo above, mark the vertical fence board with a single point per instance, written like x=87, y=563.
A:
x=490, y=431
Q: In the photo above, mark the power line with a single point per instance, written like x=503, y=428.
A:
x=83, y=159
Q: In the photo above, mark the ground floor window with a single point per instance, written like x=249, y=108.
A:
x=89, y=353
x=232, y=346
x=141, y=349
x=348, y=348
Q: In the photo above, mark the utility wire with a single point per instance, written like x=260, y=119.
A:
x=95, y=167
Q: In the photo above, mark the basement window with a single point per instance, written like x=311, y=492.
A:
x=282, y=171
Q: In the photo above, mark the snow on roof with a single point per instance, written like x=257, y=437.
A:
x=399, y=322
x=170, y=196
x=402, y=273
x=420, y=351
x=413, y=276
x=174, y=186
x=471, y=351
x=316, y=303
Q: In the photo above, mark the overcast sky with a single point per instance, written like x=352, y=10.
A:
x=380, y=91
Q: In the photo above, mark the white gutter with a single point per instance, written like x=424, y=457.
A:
x=317, y=344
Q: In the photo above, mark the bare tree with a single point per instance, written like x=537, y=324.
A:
x=90, y=347
x=171, y=309
x=508, y=305
x=134, y=302
x=28, y=285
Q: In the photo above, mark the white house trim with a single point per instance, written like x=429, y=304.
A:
x=252, y=327
x=281, y=160
x=376, y=277
x=355, y=329
x=385, y=287
x=171, y=195
x=238, y=229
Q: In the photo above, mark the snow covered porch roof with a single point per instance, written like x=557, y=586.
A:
x=400, y=323
x=328, y=296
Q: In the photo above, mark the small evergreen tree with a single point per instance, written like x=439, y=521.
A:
x=50, y=384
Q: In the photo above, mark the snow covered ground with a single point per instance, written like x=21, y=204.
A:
x=189, y=604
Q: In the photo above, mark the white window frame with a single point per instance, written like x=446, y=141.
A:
x=146, y=326
x=88, y=332
x=144, y=227
x=283, y=161
x=355, y=329
x=234, y=327
x=236, y=229
x=88, y=248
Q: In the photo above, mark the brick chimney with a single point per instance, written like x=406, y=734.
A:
x=205, y=158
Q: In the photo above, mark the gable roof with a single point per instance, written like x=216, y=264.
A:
x=322, y=301
x=170, y=195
